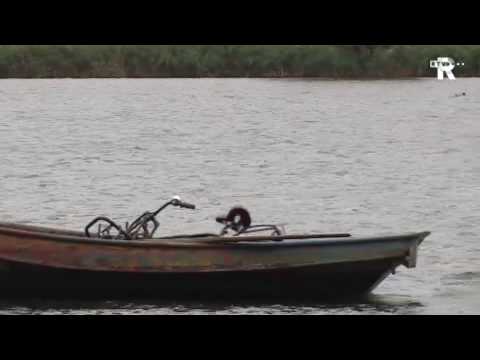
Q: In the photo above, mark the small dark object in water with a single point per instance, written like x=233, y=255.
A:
x=460, y=94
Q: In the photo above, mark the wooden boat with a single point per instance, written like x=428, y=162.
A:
x=43, y=261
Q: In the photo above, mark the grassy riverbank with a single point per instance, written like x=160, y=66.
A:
x=336, y=61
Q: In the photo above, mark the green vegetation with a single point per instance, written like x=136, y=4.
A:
x=335, y=61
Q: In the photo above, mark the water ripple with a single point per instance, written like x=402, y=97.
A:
x=362, y=157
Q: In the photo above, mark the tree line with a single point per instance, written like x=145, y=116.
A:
x=333, y=61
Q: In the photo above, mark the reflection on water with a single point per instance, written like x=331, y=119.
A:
x=373, y=304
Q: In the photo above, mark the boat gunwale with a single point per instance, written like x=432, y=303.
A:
x=204, y=242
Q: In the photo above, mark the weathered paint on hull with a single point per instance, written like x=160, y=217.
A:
x=178, y=256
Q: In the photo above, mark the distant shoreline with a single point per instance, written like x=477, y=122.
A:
x=238, y=78
x=350, y=62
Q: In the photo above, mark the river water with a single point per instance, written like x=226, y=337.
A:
x=366, y=157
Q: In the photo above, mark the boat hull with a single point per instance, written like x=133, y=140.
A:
x=309, y=282
x=34, y=262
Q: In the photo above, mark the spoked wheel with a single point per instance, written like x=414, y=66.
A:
x=238, y=219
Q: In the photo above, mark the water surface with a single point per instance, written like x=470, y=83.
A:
x=366, y=157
